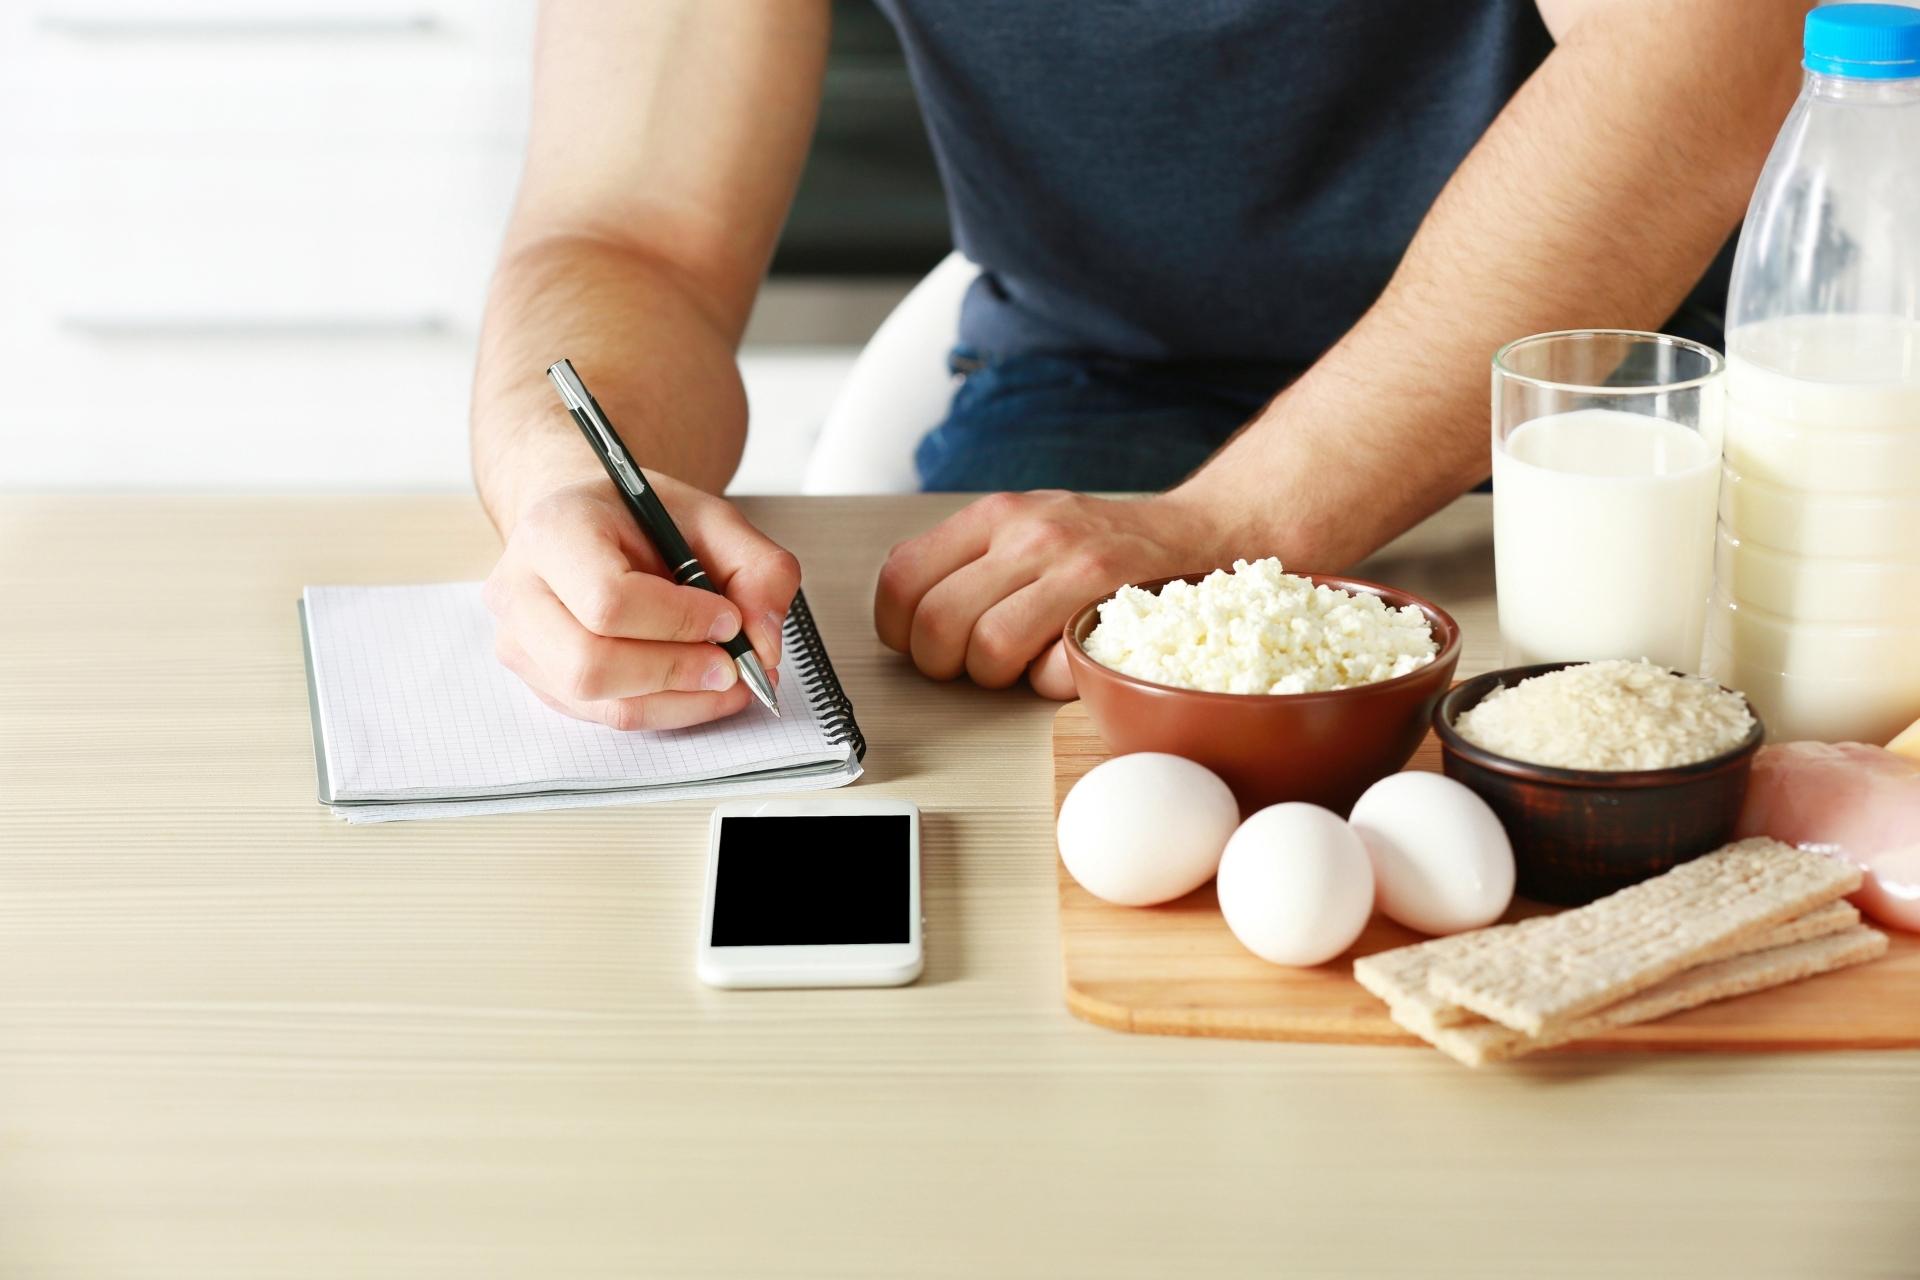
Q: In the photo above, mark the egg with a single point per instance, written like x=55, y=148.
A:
x=1295, y=884
x=1441, y=860
x=1145, y=828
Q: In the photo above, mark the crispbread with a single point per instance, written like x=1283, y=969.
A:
x=1596, y=955
x=1487, y=1042
x=1399, y=976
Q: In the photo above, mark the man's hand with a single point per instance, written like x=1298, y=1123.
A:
x=665, y=143
x=588, y=620
x=987, y=591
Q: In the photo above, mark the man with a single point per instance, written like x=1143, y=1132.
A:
x=1180, y=206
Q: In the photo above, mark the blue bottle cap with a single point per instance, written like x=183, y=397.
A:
x=1866, y=41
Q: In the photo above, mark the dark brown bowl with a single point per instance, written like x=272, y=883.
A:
x=1580, y=834
x=1325, y=748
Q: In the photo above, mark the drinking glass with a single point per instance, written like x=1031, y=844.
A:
x=1606, y=480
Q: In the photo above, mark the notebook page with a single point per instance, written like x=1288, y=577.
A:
x=413, y=705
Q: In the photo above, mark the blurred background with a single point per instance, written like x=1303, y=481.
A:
x=244, y=244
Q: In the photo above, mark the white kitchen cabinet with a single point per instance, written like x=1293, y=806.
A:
x=274, y=72
x=246, y=243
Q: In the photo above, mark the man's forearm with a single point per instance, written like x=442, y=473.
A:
x=1597, y=198
x=661, y=364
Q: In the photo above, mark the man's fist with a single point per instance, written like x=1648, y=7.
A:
x=986, y=592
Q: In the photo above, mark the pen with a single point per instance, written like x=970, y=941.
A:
x=648, y=512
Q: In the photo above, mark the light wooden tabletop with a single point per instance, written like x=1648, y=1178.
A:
x=240, y=1038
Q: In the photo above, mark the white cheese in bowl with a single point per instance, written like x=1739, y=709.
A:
x=1612, y=715
x=1258, y=629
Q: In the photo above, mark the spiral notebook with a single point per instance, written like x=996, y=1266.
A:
x=414, y=718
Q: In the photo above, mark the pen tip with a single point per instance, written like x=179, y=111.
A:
x=756, y=679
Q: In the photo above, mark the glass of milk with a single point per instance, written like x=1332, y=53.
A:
x=1606, y=480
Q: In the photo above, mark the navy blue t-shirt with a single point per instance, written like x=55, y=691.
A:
x=1200, y=180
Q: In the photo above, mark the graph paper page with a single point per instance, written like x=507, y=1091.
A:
x=413, y=705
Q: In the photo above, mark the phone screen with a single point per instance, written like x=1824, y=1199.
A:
x=825, y=880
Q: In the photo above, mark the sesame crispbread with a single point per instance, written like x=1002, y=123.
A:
x=1593, y=956
x=1486, y=1042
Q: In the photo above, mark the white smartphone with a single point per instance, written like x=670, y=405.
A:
x=812, y=893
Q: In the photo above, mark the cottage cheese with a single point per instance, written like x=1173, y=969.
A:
x=1258, y=630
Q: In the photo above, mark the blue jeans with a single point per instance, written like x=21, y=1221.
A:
x=1087, y=423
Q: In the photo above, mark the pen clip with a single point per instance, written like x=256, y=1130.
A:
x=586, y=411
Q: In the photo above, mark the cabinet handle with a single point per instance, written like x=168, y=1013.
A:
x=129, y=24
x=251, y=326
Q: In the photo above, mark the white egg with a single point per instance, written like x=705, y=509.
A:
x=1145, y=828
x=1295, y=885
x=1441, y=860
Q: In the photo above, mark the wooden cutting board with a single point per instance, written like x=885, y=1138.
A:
x=1177, y=970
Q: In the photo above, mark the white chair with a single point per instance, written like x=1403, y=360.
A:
x=895, y=393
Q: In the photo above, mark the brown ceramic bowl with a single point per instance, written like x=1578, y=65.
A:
x=1579, y=834
x=1325, y=748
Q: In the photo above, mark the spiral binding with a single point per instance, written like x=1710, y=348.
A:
x=815, y=668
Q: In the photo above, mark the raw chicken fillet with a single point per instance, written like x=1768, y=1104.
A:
x=1850, y=800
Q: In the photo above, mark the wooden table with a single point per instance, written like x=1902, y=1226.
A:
x=240, y=1038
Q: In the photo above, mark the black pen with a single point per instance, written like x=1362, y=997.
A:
x=648, y=512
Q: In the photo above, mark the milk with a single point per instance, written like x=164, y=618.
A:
x=1816, y=616
x=1603, y=537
